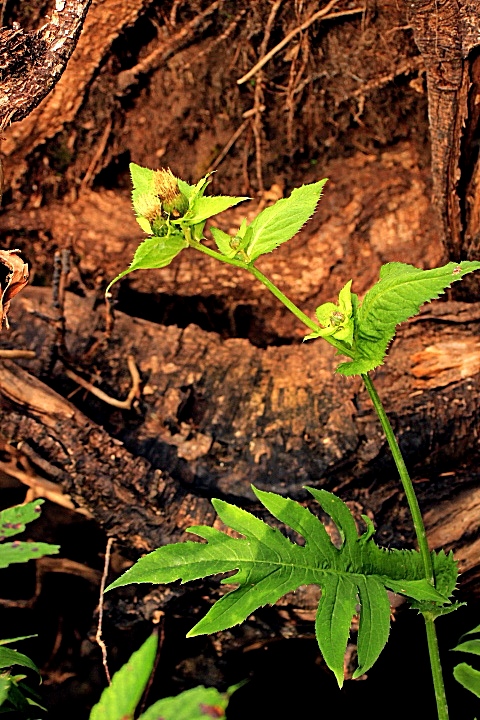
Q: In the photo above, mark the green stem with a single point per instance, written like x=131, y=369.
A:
x=435, y=663
x=436, y=667
x=406, y=481
x=404, y=477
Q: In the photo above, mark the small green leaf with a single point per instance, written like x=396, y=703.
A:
x=144, y=224
x=469, y=646
x=9, y=658
x=467, y=676
x=396, y=297
x=199, y=703
x=281, y=221
x=4, y=688
x=119, y=700
x=205, y=207
x=154, y=252
x=14, y=519
x=223, y=241
x=9, y=641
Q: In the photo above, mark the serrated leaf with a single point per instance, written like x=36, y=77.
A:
x=396, y=297
x=467, y=676
x=9, y=658
x=120, y=699
x=20, y=552
x=281, y=221
x=154, y=252
x=269, y=565
x=143, y=179
x=198, y=703
x=205, y=207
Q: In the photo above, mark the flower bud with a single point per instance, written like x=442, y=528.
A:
x=166, y=186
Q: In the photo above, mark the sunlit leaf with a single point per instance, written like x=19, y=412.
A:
x=269, y=565
x=120, y=699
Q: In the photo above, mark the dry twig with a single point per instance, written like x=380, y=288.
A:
x=122, y=404
x=98, y=636
x=323, y=14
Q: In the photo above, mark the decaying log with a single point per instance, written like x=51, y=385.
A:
x=215, y=416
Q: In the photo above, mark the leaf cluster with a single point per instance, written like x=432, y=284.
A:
x=180, y=222
x=464, y=673
x=353, y=578
x=16, y=694
x=13, y=521
x=363, y=331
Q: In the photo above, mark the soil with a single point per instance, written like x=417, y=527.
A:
x=228, y=394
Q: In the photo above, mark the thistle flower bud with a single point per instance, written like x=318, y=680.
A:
x=148, y=205
x=166, y=187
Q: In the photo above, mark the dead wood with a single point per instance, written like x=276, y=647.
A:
x=31, y=63
x=215, y=416
x=448, y=37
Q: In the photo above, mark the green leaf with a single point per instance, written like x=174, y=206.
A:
x=224, y=242
x=469, y=646
x=281, y=221
x=119, y=700
x=269, y=565
x=198, y=703
x=143, y=179
x=154, y=252
x=467, y=676
x=205, y=207
x=9, y=657
x=4, y=688
x=14, y=519
x=20, y=552
x=396, y=297
x=8, y=641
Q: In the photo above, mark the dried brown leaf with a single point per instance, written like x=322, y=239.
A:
x=13, y=278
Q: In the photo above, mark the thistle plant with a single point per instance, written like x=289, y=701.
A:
x=358, y=573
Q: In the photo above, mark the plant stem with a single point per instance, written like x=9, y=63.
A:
x=406, y=481
x=404, y=477
x=435, y=663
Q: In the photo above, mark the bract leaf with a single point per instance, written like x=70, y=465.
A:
x=269, y=565
x=205, y=207
x=281, y=221
x=396, y=297
x=142, y=178
x=119, y=700
x=223, y=240
x=154, y=252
